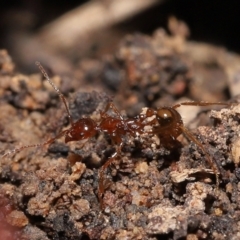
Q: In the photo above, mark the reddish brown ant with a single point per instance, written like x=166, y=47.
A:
x=164, y=122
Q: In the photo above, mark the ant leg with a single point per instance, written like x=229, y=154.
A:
x=111, y=106
x=200, y=104
x=212, y=164
x=102, y=182
x=56, y=89
x=48, y=142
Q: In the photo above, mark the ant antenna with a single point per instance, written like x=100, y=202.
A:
x=48, y=142
x=200, y=104
x=56, y=89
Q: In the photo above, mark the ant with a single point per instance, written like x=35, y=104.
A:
x=165, y=122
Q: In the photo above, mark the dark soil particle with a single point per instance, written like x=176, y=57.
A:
x=151, y=192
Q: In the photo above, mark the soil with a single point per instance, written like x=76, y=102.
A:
x=152, y=192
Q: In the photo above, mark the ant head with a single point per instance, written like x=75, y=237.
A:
x=167, y=116
x=169, y=123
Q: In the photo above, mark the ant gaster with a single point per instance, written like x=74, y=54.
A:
x=165, y=122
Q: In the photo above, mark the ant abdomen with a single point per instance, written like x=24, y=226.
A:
x=84, y=128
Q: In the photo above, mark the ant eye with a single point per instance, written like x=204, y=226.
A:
x=164, y=116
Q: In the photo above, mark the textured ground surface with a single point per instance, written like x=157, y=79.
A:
x=153, y=192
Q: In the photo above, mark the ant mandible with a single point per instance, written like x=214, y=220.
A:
x=165, y=122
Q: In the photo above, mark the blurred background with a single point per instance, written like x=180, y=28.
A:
x=60, y=33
